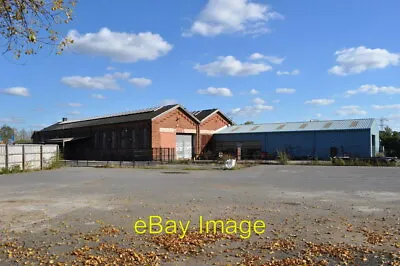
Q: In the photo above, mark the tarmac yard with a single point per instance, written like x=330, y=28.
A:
x=313, y=215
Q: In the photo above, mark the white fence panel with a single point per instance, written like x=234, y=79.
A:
x=32, y=156
x=48, y=154
x=15, y=156
x=2, y=156
x=32, y=149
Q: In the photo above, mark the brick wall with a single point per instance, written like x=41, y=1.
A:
x=207, y=128
x=165, y=127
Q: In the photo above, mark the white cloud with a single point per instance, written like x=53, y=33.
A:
x=232, y=16
x=357, y=60
x=254, y=92
x=230, y=66
x=101, y=83
x=141, y=82
x=16, y=91
x=12, y=120
x=74, y=113
x=288, y=73
x=285, y=90
x=373, y=89
x=273, y=59
x=225, y=92
x=258, y=101
x=256, y=56
x=350, y=110
x=389, y=106
x=394, y=120
x=251, y=110
x=98, y=96
x=110, y=68
x=74, y=104
x=394, y=117
x=120, y=46
x=276, y=101
x=168, y=102
x=119, y=75
x=320, y=102
x=318, y=115
x=38, y=126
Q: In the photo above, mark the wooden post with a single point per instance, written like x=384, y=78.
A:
x=6, y=156
x=23, y=157
x=41, y=157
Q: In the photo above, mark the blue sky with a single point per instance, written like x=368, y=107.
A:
x=265, y=61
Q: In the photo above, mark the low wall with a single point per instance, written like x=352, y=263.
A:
x=27, y=156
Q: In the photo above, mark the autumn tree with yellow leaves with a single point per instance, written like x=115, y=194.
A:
x=26, y=26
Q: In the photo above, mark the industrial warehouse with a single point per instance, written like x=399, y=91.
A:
x=173, y=133
x=356, y=138
x=162, y=133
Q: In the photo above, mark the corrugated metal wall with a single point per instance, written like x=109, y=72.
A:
x=355, y=143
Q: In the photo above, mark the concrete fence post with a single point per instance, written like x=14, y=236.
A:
x=41, y=157
x=6, y=157
x=23, y=157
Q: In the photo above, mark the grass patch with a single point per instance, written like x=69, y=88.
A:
x=358, y=162
x=56, y=163
x=15, y=169
x=283, y=158
x=12, y=170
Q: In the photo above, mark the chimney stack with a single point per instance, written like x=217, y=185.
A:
x=64, y=119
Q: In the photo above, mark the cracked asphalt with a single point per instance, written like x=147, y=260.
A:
x=315, y=204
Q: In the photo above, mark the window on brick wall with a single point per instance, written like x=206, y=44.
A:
x=104, y=140
x=133, y=137
x=124, y=138
x=113, y=139
x=96, y=140
x=145, y=138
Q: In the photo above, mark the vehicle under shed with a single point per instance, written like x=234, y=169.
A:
x=355, y=138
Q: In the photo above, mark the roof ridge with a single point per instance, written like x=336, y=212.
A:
x=313, y=121
x=138, y=111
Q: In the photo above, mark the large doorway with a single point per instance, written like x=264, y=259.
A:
x=184, y=147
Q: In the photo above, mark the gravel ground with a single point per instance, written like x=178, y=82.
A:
x=314, y=216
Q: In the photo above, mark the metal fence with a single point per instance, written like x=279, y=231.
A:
x=27, y=156
x=163, y=154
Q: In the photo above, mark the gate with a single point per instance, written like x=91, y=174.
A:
x=184, y=147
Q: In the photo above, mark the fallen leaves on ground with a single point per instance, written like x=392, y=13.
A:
x=192, y=243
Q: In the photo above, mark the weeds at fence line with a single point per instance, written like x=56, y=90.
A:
x=358, y=162
x=56, y=163
x=283, y=158
x=12, y=170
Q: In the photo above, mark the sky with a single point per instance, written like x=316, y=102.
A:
x=264, y=61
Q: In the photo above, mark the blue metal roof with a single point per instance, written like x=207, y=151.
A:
x=350, y=124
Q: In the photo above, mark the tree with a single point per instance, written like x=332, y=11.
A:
x=391, y=141
x=22, y=136
x=249, y=123
x=28, y=25
x=6, y=133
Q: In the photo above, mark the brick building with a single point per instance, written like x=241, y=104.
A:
x=150, y=134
